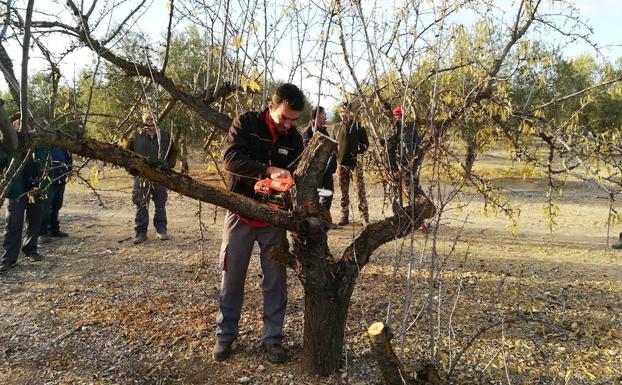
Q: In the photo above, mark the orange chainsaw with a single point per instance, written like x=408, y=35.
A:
x=275, y=192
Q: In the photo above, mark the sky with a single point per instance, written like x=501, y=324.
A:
x=602, y=15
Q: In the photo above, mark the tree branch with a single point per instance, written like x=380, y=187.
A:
x=379, y=233
x=170, y=179
x=168, y=36
x=215, y=118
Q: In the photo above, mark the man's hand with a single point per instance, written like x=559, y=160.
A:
x=275, y=172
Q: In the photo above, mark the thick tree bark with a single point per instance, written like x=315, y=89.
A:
x=325, y=307
x=324, y=330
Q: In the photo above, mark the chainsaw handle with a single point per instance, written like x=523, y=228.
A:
x=276, y=172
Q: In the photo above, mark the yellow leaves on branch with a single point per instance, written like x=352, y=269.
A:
x=528, y=171
x=539, y=114
x=248, y=83
x=237, y=42
x=94, y=176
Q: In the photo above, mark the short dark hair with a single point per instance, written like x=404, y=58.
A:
x=315, y=110
x=291, y=94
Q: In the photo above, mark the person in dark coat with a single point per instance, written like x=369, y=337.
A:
x=24, y=195
x=259, y=145
x=60, y=166
x=317, y=125
x=405, y=153
x=352, y=141
x=157, y=147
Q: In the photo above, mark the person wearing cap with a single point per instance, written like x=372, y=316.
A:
x=352, y=141
x=157, y=147
x=404, y=152
x=317, y=124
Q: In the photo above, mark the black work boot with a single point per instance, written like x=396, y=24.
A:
x=57, y=234
x=6, y=266
x=222, y=350
x=139, y=238
x=35, y=257
x=43, y=238
x=275, y=353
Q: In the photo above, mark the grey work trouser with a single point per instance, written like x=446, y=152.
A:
x=238, y=240
x=15, y=224
x=142, y=192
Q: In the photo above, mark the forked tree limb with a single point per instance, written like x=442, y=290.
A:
x=379, y=233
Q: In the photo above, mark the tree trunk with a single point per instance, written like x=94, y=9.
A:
x=324, y=329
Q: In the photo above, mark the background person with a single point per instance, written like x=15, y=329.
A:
x=157, y=146
x=25, y=201
x=317, y=124
x=352, y=141
x=405, y=154
x=60, y=167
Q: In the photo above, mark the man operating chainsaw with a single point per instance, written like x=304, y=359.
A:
x=259, y=145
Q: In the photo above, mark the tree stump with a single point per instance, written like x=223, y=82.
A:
x=389, y=364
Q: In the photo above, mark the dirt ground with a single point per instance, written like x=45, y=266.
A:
x=546, y=307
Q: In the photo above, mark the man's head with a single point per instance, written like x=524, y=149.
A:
x=285, y=107
x=15, y=121
x=387, y=109
x=346, y=111
x=149, y=120
x=319, y=116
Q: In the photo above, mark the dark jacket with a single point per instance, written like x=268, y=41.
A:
x=404, y=145
x=31, y=176
x=307, y=134
x=144, y=144
x=16, y=188
x=62, y=164
x=351, y=141
x=249, y=151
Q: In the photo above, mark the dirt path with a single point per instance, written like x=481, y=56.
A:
x=100, y=310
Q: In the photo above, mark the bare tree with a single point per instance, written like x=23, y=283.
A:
x=410, y=61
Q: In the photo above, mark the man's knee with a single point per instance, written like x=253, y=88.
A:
x=139, y=198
